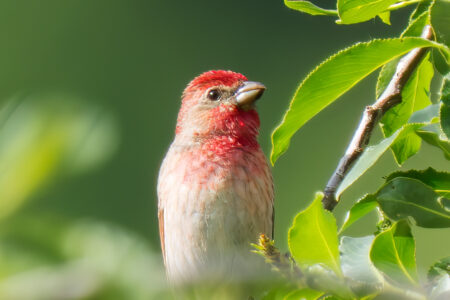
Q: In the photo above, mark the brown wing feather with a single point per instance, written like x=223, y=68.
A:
x=161, y=231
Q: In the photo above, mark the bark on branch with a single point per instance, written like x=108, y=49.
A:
x=391, y=97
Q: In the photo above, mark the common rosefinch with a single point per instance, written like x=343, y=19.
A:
x=215, y=188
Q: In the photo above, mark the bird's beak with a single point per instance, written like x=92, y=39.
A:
x=248, y=93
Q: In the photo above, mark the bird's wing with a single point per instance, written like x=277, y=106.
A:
x=161, y=231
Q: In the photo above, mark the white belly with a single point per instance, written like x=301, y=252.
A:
x=210, y=221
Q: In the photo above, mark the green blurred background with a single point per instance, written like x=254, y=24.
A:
x=89, y=93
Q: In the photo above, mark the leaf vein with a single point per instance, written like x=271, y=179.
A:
x=400, y=263
x=422, y=207
x=326, y=245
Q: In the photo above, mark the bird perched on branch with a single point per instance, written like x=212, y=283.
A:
x=215, y=188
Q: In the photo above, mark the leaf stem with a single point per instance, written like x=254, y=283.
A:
x=391, y=97
x=330, y=12
x=402, y=4
x=315, y=8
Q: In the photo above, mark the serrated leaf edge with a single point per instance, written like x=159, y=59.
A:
x=438, y=45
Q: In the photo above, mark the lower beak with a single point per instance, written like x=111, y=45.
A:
x=248, y=93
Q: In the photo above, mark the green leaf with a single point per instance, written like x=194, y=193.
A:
x=416, y=194
x=40, y=255
x=278, y=293
x=385, y=76
x=414, y=97
x=333, y=78
x=445, y=106
x=414, y=29
x=356, y=11
x=440, y=20
x=372, y=154
x=406, y=147
x=440, y=268
x=309, y=8
x=433, y=135
x=385, y=17
x=371, y=296
x=303, y=294
x=313, y=238
x=423, y=6
x=428, y=115
x=355, y=259
x=406, y=197
x=393, y=253
x=361, y=208
x=444, y=203
x=440, y=62
x=438, y=181
x=441, y=289
x=48, y=135
x=439, y=278
x=332, y=297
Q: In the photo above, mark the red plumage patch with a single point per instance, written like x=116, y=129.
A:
x=233, y=128
x=200, y=84
x=213, y=78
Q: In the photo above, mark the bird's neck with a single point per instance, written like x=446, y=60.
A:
x=237, y=129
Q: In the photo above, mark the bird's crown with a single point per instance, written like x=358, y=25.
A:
x=215, y=78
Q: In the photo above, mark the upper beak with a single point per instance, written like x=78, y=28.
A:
x=248, y=93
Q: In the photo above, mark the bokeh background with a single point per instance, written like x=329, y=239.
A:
x=89, y=93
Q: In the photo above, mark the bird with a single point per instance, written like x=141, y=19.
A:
x=215, y=187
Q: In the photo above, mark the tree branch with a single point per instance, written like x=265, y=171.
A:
x=391, y=97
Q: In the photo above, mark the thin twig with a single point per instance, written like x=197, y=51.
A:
x=391, y=97
x=284, y=264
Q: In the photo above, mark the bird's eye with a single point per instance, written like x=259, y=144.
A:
x=213, y=95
